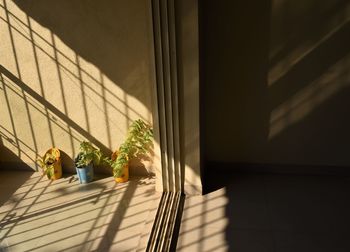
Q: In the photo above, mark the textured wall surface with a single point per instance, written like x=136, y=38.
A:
x=73, y=71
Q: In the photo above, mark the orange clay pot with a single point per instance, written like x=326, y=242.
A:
x=125, y=175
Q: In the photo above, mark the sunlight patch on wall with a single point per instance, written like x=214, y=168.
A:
x=295, y=55
x=306, y=100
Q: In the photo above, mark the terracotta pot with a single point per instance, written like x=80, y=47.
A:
x=125, y=174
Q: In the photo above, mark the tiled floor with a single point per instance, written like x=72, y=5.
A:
x=270, y=212
x=62, y=215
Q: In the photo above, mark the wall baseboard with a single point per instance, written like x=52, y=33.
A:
x=278, y=168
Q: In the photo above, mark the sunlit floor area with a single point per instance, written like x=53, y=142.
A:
x=41, y=215
x=203, y=223
x=269, y=213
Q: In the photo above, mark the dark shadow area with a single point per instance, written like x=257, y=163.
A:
x=274, y=131
x=12, y=164
x=234, y=41
x=312, y=66
x=271, y=212
x=274, y=92
x=138, y=167
x=328, y=125
x=68, y=165
x=10, y=161
x=296, y=24
x=258, y=212
x=177, y=225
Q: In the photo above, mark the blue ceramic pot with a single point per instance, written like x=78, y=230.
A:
x=86, y=173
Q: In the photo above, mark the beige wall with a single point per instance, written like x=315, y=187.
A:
x=73, y=70
x=188, y=73
x=275, y=81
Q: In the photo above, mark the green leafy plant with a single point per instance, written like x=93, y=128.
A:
x=87, y=154
x=47, y=162
x=137, y=142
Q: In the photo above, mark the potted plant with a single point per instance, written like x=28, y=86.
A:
x=88, y=156
x=50, y=163
x=137, y=143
